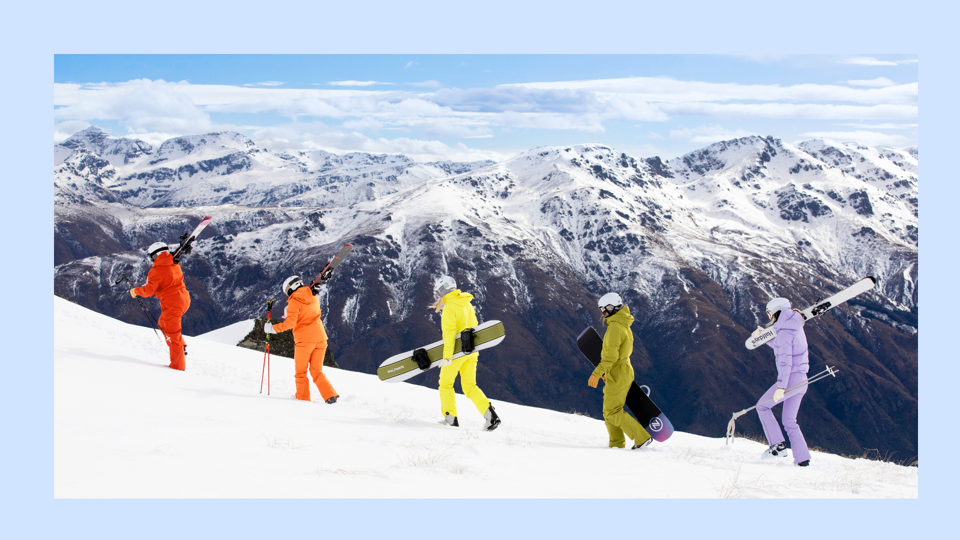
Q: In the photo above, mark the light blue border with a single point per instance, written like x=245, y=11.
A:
x=33, y=34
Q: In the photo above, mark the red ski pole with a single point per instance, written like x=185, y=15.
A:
x=266, y=353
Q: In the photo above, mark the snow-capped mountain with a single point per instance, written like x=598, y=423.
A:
x=694, y=245
x=228, y=168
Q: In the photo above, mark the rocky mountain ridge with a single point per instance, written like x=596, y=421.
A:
x=694, y=245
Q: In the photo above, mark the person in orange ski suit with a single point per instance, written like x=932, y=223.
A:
x=303, y=316
x=165, y=280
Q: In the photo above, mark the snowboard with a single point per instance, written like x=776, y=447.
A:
x=819, y=308
x=186, y=240
x=643, y=408
x=402, y=366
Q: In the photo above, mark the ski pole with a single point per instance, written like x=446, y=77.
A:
x=731, y=427
x=143, y=307
x=266, y=353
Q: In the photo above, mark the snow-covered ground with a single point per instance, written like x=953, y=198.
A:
x=125, y=426
x=230, y=335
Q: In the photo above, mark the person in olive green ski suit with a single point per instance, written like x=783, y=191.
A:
x=617, y=373
x=456, y=316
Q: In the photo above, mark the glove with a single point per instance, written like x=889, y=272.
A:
x=778, y=394
x=593, y=381
x=133, y=293
x=445, y=362
x=757, y=332
x=316, y=288
x=324, y=277
x=268, y=328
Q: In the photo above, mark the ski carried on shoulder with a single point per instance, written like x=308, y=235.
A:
x=186, y=240
x=819, y=308
x=333, y=264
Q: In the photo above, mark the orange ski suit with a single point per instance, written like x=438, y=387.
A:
x=165, y=280
x=303, y=316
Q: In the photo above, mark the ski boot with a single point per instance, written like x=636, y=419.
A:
x=777, y=450
x=332, y=400
x=804, y=463
x=491, y=420
x=451, y=420
x=644, y=444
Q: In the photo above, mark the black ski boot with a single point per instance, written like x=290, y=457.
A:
x=804, y=463
x=332, y=400
x=777, y=450
x=491, y=420
x=451, y=420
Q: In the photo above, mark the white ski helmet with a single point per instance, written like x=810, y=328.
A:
x=444, y=285
x=610, y=303
x=156, y=248
x=778, y=304
x=291, y=284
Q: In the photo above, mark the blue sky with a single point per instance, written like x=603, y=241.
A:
x=465, y=107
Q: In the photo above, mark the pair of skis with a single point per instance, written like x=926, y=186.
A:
x=818, y=308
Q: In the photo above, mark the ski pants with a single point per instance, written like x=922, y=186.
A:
x=466, y=366
x=169, y=323
x=310, y=355
x=791, y=405
x=618, y=421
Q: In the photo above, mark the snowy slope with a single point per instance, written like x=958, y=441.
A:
x=125, y=426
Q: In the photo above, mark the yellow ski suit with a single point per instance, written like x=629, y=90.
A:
x=615, y=364
x=457, y=316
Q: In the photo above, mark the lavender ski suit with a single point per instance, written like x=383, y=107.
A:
x=790, y=347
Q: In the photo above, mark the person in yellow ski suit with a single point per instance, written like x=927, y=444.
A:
x=457, y=314
x=617, y=373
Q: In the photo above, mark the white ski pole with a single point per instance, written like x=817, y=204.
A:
x=731, y=427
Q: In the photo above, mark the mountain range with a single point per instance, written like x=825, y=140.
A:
x=696, y=245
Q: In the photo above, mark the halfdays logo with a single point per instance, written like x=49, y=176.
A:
x=656, y=424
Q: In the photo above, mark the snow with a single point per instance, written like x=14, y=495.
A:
x=125, y=426
x=230, y=335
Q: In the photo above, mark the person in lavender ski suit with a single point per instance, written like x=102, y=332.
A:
x=790, y=347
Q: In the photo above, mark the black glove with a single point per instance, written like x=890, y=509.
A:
x=423, y=361
x=187, y=248
x=325, y=276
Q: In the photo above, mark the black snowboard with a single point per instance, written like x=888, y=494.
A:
x=643, y=408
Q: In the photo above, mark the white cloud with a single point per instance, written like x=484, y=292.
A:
x=654, y=135
x=878, y=82
x=266, y=83
x=363, y=124
x=411, y=64
x=780, y=111
x=870, y=61
x=708, y=134
x=873, y=138
x=881, y=126
x=355, y=83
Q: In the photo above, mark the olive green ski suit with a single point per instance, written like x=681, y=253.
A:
x=615, y=364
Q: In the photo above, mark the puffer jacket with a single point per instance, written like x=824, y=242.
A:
x=458, y=315
x=165, y=280
x=303, y=316
x=617, y=342
x=790, y=346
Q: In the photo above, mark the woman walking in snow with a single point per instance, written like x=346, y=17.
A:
x=617, y=374
x=457, y=314
x=303, y=316
x=165, y=280
x=790, y=347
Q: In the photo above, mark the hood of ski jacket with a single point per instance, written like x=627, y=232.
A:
x=790, y=346
x=303, y=316
x=458, y=315
x=165, y=280
x=617, y=342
